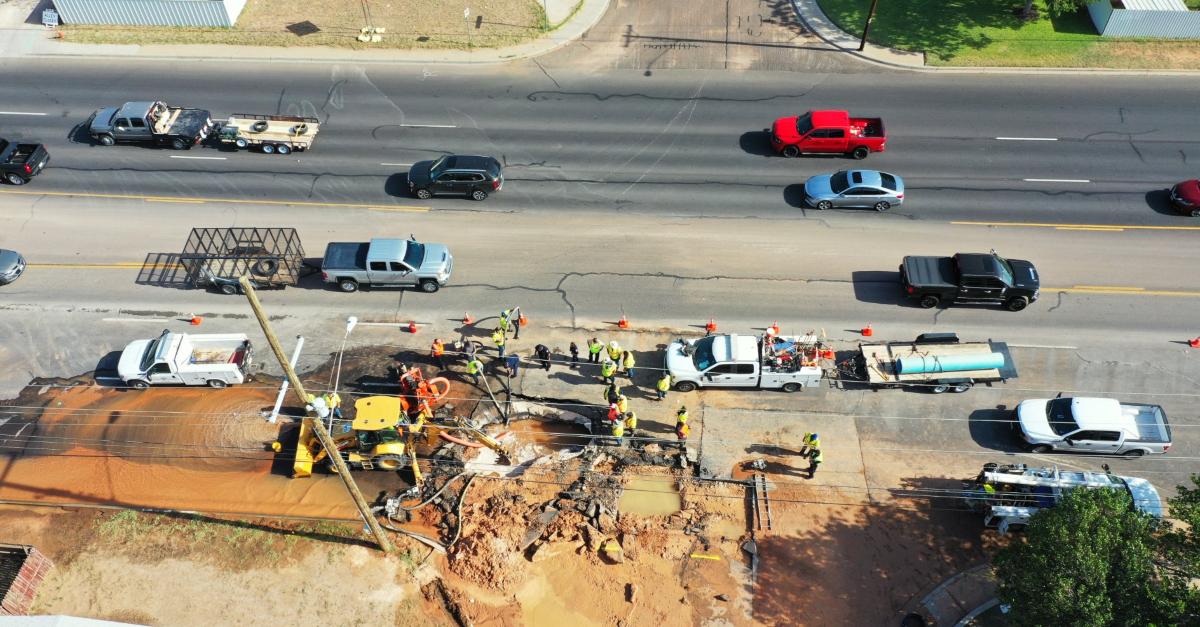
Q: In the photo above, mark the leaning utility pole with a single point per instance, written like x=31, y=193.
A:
x=318, y=425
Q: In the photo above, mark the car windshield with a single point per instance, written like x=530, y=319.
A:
x=888, y=181
x=703, y=355
x=804, y=124
x=839, y=182
x=148, y=356
x=414, y=255
x=1058, y=414
x=1006, y=271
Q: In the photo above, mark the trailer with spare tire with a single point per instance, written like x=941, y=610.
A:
x=282, y=134
x=935, y=362
x=216, y=258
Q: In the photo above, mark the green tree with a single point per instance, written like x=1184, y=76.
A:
x=1065, y=7
x=1091, y=560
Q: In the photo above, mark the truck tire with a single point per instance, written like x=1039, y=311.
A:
x=258, y=126
x=283, y=149
x=1041, y=449
x=929, y=301
x=791, y=152
x=178, y=143
x=429, y=286
x=265, y=267
x=229, y=289
x=1137, y=452
x=216, y=384
x=139, y=384
x=242, y=143
x=479, y=195
x=268, y=149
x=390, y=462
x=824, y=205
x=106, y=140
x=792, y=387
x=685, y=386
x=348, y=285
x=424, y=194
x=959, y=388
x=940, y=388
x=860, y=153
x=1017, y=304
x=1196, y=213
x=15, y=179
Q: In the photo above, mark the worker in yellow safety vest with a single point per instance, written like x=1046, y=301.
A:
x=681, y=416
x=681, y=433
x=474, y=367
x=614, y=351
x=627, y=362
x=811, y=442
x=631, y=423
x=664, y=384
x=608, y=371
x=594, y=347
x=622, y=403
x=618, y=432
x=814, y=459
x=498, y=339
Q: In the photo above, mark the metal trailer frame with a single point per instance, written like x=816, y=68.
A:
x=876, y=365
x=272, y=256
x=274, y=134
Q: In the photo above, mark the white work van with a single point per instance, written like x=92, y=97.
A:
x=785, y=363
x=215, y=360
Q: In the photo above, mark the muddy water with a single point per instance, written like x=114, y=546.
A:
x=650, y=496
x=172, y=448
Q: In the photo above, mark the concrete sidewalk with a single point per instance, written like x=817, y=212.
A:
x=811, y=14
x=18, y=38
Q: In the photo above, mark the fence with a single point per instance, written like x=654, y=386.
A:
x=22, y=569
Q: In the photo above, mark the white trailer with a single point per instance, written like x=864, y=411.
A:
x=215, y=360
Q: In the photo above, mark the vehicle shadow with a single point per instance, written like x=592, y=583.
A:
x=993, y=429
x=105, y=374
x=757, y=143
x=1160, y=201
x=793, y=195
x=397, y=185
x=879, y=287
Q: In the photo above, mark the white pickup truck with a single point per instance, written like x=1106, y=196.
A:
x=745, y=361
x=1093, y=425
x=215, y=360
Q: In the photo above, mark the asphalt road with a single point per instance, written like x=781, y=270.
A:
x=680, y=143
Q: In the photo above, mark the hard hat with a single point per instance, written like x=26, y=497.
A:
x=815, y=436
x=614, y=344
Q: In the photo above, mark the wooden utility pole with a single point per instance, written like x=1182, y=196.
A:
x=318, y=425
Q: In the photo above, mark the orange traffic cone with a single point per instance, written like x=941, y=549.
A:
x=1194, y=342
x=623, y=322
x=412, y=327
x=711, y=327
x=867, y=331
x=774, y=328
x=467, y=319
x=196, y=320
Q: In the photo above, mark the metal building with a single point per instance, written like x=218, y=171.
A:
x=151, y=12
x=1159, y=19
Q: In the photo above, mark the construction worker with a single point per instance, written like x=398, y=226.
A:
x=505, y=316
x=543, y=355
x=681, y=433
x=814, y=459
x=513, y=362
x=618, y=432
x=810, y=442
x=614, y=414
x=664, y=384
x=681, y=416
x=498, y=338
x=574, y=348
x=474, y=367
x=612, y=391
x=627, y=362
x=594, y=347
x=614, y=351
x=631, y=423
x=608, y=371
x=622, y=403
x=438, y=351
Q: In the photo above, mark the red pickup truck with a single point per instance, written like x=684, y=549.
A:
x=828, y=132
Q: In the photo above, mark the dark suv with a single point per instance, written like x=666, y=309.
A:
x=472, y=176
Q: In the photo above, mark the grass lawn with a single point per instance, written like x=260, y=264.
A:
x=409, y=24
x=988, y=33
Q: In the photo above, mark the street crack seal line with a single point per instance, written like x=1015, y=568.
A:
x=540, y=96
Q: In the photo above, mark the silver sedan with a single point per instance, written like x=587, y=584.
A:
x=855, y=188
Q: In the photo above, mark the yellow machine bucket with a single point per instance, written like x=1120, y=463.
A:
x=303, y=464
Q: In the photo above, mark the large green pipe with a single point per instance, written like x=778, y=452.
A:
x=923, y=364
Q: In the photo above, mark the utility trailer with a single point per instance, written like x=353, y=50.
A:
x=281, y=134
x=217, y=257
x=938, y=362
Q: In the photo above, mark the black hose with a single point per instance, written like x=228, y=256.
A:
x=458, y=512
x=435, y=494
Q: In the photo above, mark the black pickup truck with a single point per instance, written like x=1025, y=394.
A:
x=970, y=279
x=21, y=162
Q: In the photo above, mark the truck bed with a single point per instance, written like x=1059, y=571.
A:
x=1151, y=422
x=880, y=361
x=936, y=272
x=346, y=256
x=185, y=122
x=217, y=352
x=866, y=127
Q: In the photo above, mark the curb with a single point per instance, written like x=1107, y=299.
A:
x=580, y=22
x=830, y=34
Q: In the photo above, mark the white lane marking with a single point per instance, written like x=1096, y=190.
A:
x=1027, y=139
x=20, y=113
x=1057, y=180
x=429, y=125
x=210, y=158
x=405, y=165
x=1069, y=348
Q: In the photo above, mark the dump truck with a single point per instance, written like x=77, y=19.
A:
x=1093, y=425
x=938, y=362
x=775, y=362
x=271, y=134
x=387, y=262
x=215, y=360
x=1009, y=495
x=150, y=122
x=21, y=162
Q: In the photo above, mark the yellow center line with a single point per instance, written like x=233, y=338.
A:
x=1088, y=228
x=234, y=201
x=1097, y=227
x=1128, y=291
